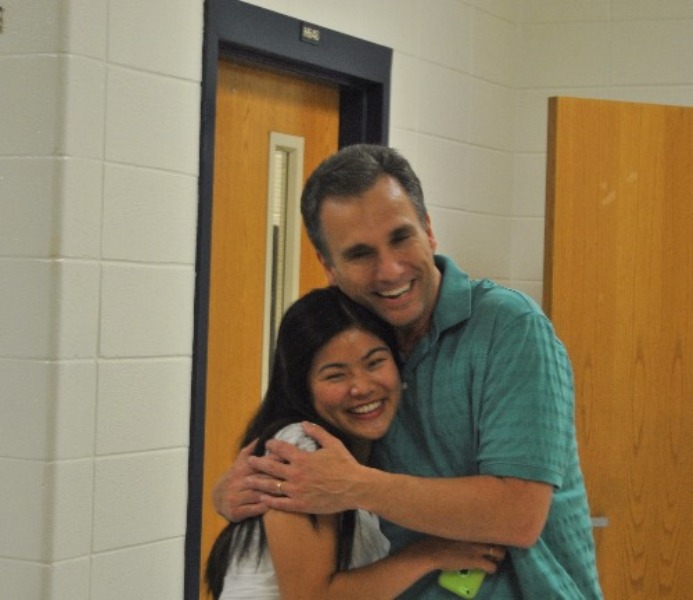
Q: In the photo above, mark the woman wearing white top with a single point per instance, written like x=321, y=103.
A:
x=336, y=365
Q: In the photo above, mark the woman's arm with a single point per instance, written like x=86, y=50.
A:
x=304, y=558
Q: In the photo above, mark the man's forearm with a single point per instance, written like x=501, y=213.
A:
x=505, y=511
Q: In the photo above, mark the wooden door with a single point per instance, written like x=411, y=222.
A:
x=251, y=103
x=619, y=289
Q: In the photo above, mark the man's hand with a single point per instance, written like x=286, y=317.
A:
x=232, y=497
x=320, y=482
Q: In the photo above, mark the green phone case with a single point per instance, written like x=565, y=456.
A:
x=464, y=583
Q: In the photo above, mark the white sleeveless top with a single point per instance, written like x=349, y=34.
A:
x=255, y=580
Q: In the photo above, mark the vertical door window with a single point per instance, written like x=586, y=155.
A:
x=283, y=236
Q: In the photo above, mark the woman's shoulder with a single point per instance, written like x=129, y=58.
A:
x=294, y=434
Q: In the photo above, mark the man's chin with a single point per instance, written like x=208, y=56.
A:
x=400, y=319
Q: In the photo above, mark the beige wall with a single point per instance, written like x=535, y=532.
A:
x=99, y=126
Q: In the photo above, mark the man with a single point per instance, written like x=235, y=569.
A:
x=483, y=446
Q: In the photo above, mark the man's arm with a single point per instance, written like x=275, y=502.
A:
x=505, y=511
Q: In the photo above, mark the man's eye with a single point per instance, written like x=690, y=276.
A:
x=401, y=238
x=359, y=254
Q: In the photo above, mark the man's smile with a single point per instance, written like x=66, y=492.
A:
x=396, y=293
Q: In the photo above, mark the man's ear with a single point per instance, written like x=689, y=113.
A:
x=429, y=234
x=327, y=267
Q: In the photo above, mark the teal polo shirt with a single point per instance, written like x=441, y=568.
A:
x=489, y=391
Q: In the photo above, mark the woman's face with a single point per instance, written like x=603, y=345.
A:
x=355, y=384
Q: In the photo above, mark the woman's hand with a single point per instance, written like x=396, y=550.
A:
x=451, y=555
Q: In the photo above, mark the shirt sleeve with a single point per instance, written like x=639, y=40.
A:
x=528, y=421
x=294, y=434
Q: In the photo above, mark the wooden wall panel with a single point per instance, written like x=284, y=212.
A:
x=619, y=289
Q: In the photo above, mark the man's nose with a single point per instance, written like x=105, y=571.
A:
x=389, y=267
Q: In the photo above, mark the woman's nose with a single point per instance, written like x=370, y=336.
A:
x=361, y=385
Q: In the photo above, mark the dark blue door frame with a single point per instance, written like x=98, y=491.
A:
x=246, y=33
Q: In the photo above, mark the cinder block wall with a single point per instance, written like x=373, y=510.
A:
x=99, y=131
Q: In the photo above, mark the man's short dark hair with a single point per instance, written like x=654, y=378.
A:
x=351, y=172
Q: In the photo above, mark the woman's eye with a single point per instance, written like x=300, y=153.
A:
x=376, y=362
x=334, y=376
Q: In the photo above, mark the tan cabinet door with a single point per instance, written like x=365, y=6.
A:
x=251, y=103
x=619, y=289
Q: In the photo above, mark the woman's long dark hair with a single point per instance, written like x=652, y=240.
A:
x=309, y=324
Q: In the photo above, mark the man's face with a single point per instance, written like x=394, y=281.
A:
x=382, y=256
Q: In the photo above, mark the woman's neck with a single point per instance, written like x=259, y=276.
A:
x=361, y=449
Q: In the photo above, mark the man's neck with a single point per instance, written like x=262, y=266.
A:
x=408, y=337
x=406, y=345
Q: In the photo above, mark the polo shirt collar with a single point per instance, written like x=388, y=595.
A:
x=454, y=303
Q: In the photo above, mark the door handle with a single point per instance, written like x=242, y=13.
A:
x=599, y=522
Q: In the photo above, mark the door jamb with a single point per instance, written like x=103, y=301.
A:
x=246, y=33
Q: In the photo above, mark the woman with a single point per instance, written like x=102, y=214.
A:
x=335, y=365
